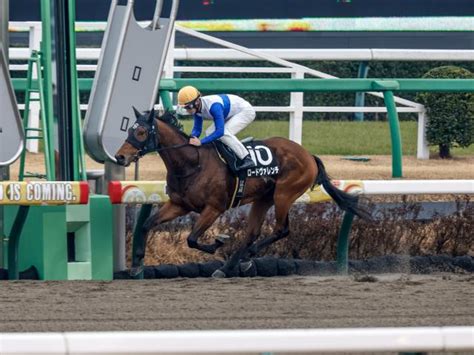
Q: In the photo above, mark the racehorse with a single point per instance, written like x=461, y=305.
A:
x=198, y=180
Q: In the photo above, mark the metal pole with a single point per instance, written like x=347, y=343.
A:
x=395, y=134
x=342, y=256
x=78, y=156
x=422, y=149
x=4, y=176
x=113, y=172
x=296, y=116
x=156, y=15
x=387, y=86
x=4, y=170
x=4, y=17
x=360, y=96
x=62, y=82
x=166, y=99
x=46, y=50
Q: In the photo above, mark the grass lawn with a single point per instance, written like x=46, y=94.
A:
x=342, y=138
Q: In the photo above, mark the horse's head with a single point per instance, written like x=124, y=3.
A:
x=142, y=139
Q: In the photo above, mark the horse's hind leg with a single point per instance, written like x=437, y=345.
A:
x=284, y=197
x=205, y=220
x=280, y=233
x=256, y=217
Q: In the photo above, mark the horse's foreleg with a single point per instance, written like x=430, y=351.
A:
x=205, y=220
x=167, y=212
x=256, y=217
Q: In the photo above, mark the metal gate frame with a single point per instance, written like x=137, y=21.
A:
x=11, y=126
x=128, y=75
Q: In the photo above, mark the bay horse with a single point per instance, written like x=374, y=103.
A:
x=198, y=181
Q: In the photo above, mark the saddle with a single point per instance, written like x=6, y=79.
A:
x=263, y=157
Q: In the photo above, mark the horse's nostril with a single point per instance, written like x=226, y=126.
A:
x=120, y=158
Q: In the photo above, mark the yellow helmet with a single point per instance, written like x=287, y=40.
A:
x=187, y=94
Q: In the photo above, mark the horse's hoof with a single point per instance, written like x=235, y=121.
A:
x=222, y=238
x=218, y=274
x=246, y=265
x=136, y=270
x=252, y=251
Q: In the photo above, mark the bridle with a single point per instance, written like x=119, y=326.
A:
x=152, y=144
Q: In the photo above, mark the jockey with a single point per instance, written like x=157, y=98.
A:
x=231, y=114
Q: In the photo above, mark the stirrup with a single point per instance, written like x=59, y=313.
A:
x=246, y=163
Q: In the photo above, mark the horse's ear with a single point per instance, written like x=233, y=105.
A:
x=137, y=113
x=151, y=117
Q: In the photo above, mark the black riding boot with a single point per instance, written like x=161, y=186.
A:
x=246, y=163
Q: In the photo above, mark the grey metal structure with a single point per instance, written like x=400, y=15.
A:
x=4, y=170
x=4, y=12
x=128, y=75
x=12, y=138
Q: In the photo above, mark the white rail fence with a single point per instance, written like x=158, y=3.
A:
x=276, y=56
x=417, y=187
x=242, y=341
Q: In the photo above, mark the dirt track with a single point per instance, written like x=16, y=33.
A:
x=280, y=302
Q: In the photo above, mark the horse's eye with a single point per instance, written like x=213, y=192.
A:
x=140, y=134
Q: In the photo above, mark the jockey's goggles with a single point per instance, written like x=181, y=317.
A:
x=190, y=105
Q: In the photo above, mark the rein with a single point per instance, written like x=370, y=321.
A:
x=152, y=146
x=177, y=146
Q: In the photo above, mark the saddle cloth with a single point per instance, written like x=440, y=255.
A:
x=266, y=162
x=263, y=157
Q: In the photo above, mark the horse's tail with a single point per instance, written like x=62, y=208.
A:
x=345, y=201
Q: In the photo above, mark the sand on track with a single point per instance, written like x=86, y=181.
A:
x=240, y=303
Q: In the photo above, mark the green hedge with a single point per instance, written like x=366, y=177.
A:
x=450, y=115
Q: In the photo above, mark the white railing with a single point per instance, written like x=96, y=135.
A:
x=277, y=56
x=242, y=341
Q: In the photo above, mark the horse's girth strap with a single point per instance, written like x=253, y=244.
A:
x=234, y=194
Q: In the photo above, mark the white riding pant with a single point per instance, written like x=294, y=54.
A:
x=232, y=126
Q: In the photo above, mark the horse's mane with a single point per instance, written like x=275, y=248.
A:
x=170, y=118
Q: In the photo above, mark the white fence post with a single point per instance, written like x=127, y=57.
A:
x=422, y=150
x=296, y=115
x=33, y=117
